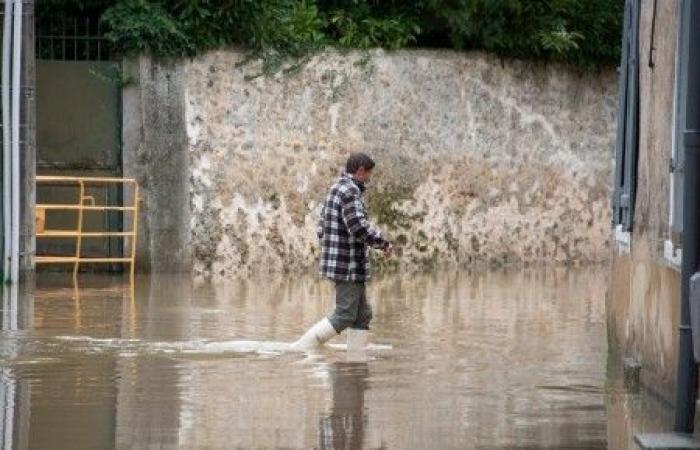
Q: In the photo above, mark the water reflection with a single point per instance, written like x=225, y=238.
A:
x=14, y=415
x=632, y=410
x=343, y=427
x=14, y=392
x=478, y=360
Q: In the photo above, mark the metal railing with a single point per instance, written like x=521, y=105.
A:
x=86, y=204
x=72, y=38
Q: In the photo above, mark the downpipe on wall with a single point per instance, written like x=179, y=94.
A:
x=16, y=82
x=11, y=110
x=6, y=139
x=686, y=394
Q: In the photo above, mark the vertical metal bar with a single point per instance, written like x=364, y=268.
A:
x=64, y=29
x=653, y=32
x=120, y=222
x=132, y=308
x=16, y=103
x=75, y=40
x=105, y=223
x=676, y=200
x=621, y=122
x=99, y=42
x=87, y=38
x=79, y=234
x=51, y=35
x=77, y=317
x=687, y=387
x=13, y=308
x=52, y=21
x=6, y=136
x=134, y=228
x=632, y=119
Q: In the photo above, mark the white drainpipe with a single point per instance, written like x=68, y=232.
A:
x=16, y=75
x=6, y=139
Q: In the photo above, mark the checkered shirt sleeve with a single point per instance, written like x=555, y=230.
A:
x=355, y=219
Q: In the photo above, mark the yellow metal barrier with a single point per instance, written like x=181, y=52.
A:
x=86, y=203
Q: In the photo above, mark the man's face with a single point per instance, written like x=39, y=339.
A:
x=363, y=175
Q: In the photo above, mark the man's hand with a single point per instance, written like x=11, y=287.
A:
x=388, y=251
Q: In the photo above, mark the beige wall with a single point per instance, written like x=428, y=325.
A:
x=643, y=298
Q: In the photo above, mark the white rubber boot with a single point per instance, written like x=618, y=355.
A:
x=317, y=335
x=357, y=345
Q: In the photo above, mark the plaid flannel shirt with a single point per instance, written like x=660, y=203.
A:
x=346, y=234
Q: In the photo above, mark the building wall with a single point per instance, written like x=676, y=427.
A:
x=481, y=161
x=155, y=153
x=644, y=294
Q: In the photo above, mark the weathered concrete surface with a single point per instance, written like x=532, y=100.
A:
x=155, y=153
x=480, y=161
x=643, y=299
x=27, y=183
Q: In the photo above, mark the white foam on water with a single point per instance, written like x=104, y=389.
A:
x=39, y=360
x=260, y=347
x=132, y=347
x=102, y=341
x=369, y=348
x=74, y=338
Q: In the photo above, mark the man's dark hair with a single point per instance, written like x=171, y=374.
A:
x=357, y=160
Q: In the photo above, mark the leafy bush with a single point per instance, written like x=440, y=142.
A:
x=139, y=25
x=359, y=26
x=582, y=32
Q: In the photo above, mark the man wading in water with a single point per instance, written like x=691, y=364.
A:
x=346, y=236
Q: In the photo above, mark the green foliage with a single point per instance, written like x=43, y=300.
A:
x=360, y=27
x=560, y=42
x=278, y=30
x=113, y=75
x=140, y=25
x=581, y=32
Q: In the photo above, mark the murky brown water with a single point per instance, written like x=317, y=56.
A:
x=485, y=360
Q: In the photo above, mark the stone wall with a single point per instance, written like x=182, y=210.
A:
x=480, y=160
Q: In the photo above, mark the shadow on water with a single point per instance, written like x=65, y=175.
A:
x=491, y=360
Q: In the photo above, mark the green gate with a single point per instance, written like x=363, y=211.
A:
x=78, y=106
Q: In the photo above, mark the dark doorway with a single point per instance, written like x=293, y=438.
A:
x=78, y=104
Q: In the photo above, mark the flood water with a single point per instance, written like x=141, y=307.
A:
x=494, y=360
